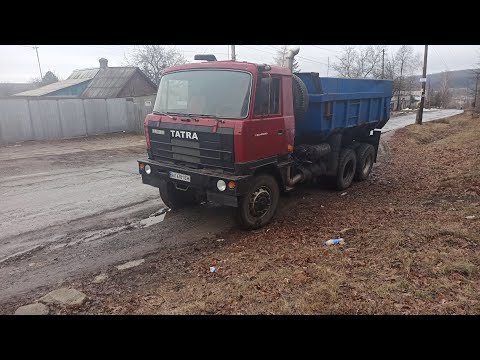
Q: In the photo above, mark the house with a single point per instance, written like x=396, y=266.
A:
x=8, y=89
x=408, y=99
x=103, y=82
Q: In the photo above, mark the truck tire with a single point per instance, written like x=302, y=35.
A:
x=174, y=198
x=300, y=97
x=365, y=159
x=258, y=206
x=347, y=162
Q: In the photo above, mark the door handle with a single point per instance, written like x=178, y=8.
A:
x=280, y=132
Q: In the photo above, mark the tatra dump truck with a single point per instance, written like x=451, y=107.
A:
x=239, y=134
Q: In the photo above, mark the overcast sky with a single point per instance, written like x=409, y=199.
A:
x=18, y=63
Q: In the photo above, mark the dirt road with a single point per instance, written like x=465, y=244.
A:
x=399, y=122
x=48, y=188
x=75, y=208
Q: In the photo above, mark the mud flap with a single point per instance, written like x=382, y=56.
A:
x=375, y=141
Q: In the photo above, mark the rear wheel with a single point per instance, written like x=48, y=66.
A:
x=347, y=163
x=365, y=159
x=258, y=206
x=174, y=198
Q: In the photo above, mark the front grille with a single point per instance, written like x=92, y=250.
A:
x=210, y=150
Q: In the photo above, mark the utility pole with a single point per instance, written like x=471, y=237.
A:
x=233, y=52
x=41, y=76
x=383, y=63
x=328, y=64
x=424, y=82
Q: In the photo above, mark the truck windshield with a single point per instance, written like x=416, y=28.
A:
x=219, y=93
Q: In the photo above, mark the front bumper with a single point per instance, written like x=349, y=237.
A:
x=202, y=180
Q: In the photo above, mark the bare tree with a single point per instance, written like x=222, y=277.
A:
x=390, y=67
x=429, y=96
x=152, y=59
x=346, y=62
x=445, y=93
x=476, y=79
x=48, y=78
x=360, y=62
x=369, y=61
x=281, y=58
x=407, y=62
x=473, y=86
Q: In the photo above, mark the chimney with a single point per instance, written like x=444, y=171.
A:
x=103, y=63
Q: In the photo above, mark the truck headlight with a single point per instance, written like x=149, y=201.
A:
x=221, y=185
x=148, y=169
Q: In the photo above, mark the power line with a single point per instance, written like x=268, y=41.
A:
x=35, y=47
x=249, y=47
x=450, y=51
x=303, y=57
x=109, y=49
x=196, y=52
x=318, y=47
x=273, y=47
x=441, y=58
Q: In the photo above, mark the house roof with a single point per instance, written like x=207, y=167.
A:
x=104, y=82
x=7, y=89
x=109, y=82
x=84, y=73
x=47, y=89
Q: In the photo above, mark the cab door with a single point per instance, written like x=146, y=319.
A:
x=265, y=131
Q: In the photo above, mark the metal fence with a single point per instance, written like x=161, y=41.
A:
x=63, y=118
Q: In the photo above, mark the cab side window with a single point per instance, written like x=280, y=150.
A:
x=274, y=96
x=267, y=98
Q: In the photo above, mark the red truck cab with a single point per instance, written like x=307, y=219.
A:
x=263, y=129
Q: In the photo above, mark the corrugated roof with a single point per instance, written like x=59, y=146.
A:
x=109, y=82
x=84, y=73
x=7, y=89
x=47, y=89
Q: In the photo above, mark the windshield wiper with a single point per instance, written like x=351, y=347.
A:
x=169, y=114
x=191, y=116
x=212, y=116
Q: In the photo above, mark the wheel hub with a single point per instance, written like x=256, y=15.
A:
x=260, y=202
x=368, y=164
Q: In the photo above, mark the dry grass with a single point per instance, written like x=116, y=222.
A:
x=410, y=250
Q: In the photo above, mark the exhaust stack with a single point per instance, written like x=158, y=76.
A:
x=291, y=55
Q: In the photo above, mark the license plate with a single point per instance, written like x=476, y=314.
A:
x=177, y=176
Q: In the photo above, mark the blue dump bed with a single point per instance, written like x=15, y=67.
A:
x=338, y=104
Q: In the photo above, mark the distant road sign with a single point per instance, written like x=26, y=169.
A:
x=423, y=79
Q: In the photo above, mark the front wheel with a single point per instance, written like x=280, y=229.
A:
x=257, y=207
x=174, y=198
